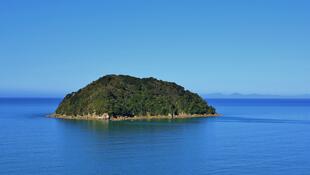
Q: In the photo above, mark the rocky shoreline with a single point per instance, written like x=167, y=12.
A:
x=122, y=118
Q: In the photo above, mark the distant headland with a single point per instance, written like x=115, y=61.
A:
x=123, y=97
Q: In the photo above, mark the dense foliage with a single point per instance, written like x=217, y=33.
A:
x=121, y=95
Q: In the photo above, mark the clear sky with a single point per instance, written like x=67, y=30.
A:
x=49, y=48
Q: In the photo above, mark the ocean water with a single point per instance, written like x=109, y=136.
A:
x=255, y=136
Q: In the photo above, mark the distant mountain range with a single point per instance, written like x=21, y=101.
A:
x=239, y=95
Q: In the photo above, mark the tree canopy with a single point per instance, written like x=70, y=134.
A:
x=122, y=95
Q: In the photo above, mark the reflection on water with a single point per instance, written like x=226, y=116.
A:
x=106, y=125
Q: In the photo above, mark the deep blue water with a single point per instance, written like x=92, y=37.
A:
x=253, y=137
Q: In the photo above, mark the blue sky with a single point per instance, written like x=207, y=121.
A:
x=49, y=48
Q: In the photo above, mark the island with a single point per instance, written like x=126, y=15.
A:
x=123, y=97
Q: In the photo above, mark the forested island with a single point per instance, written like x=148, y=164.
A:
x=122, y=97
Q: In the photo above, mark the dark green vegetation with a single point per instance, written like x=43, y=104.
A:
x=121, y=95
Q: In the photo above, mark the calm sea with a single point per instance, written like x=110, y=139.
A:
x=257, y=137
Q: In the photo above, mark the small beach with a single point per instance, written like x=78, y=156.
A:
x=121, y=118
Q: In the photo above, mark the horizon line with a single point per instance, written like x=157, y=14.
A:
x=203, y=95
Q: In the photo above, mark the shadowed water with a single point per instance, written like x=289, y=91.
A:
x=253, y=137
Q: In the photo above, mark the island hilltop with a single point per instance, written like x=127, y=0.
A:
x=122, y=97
